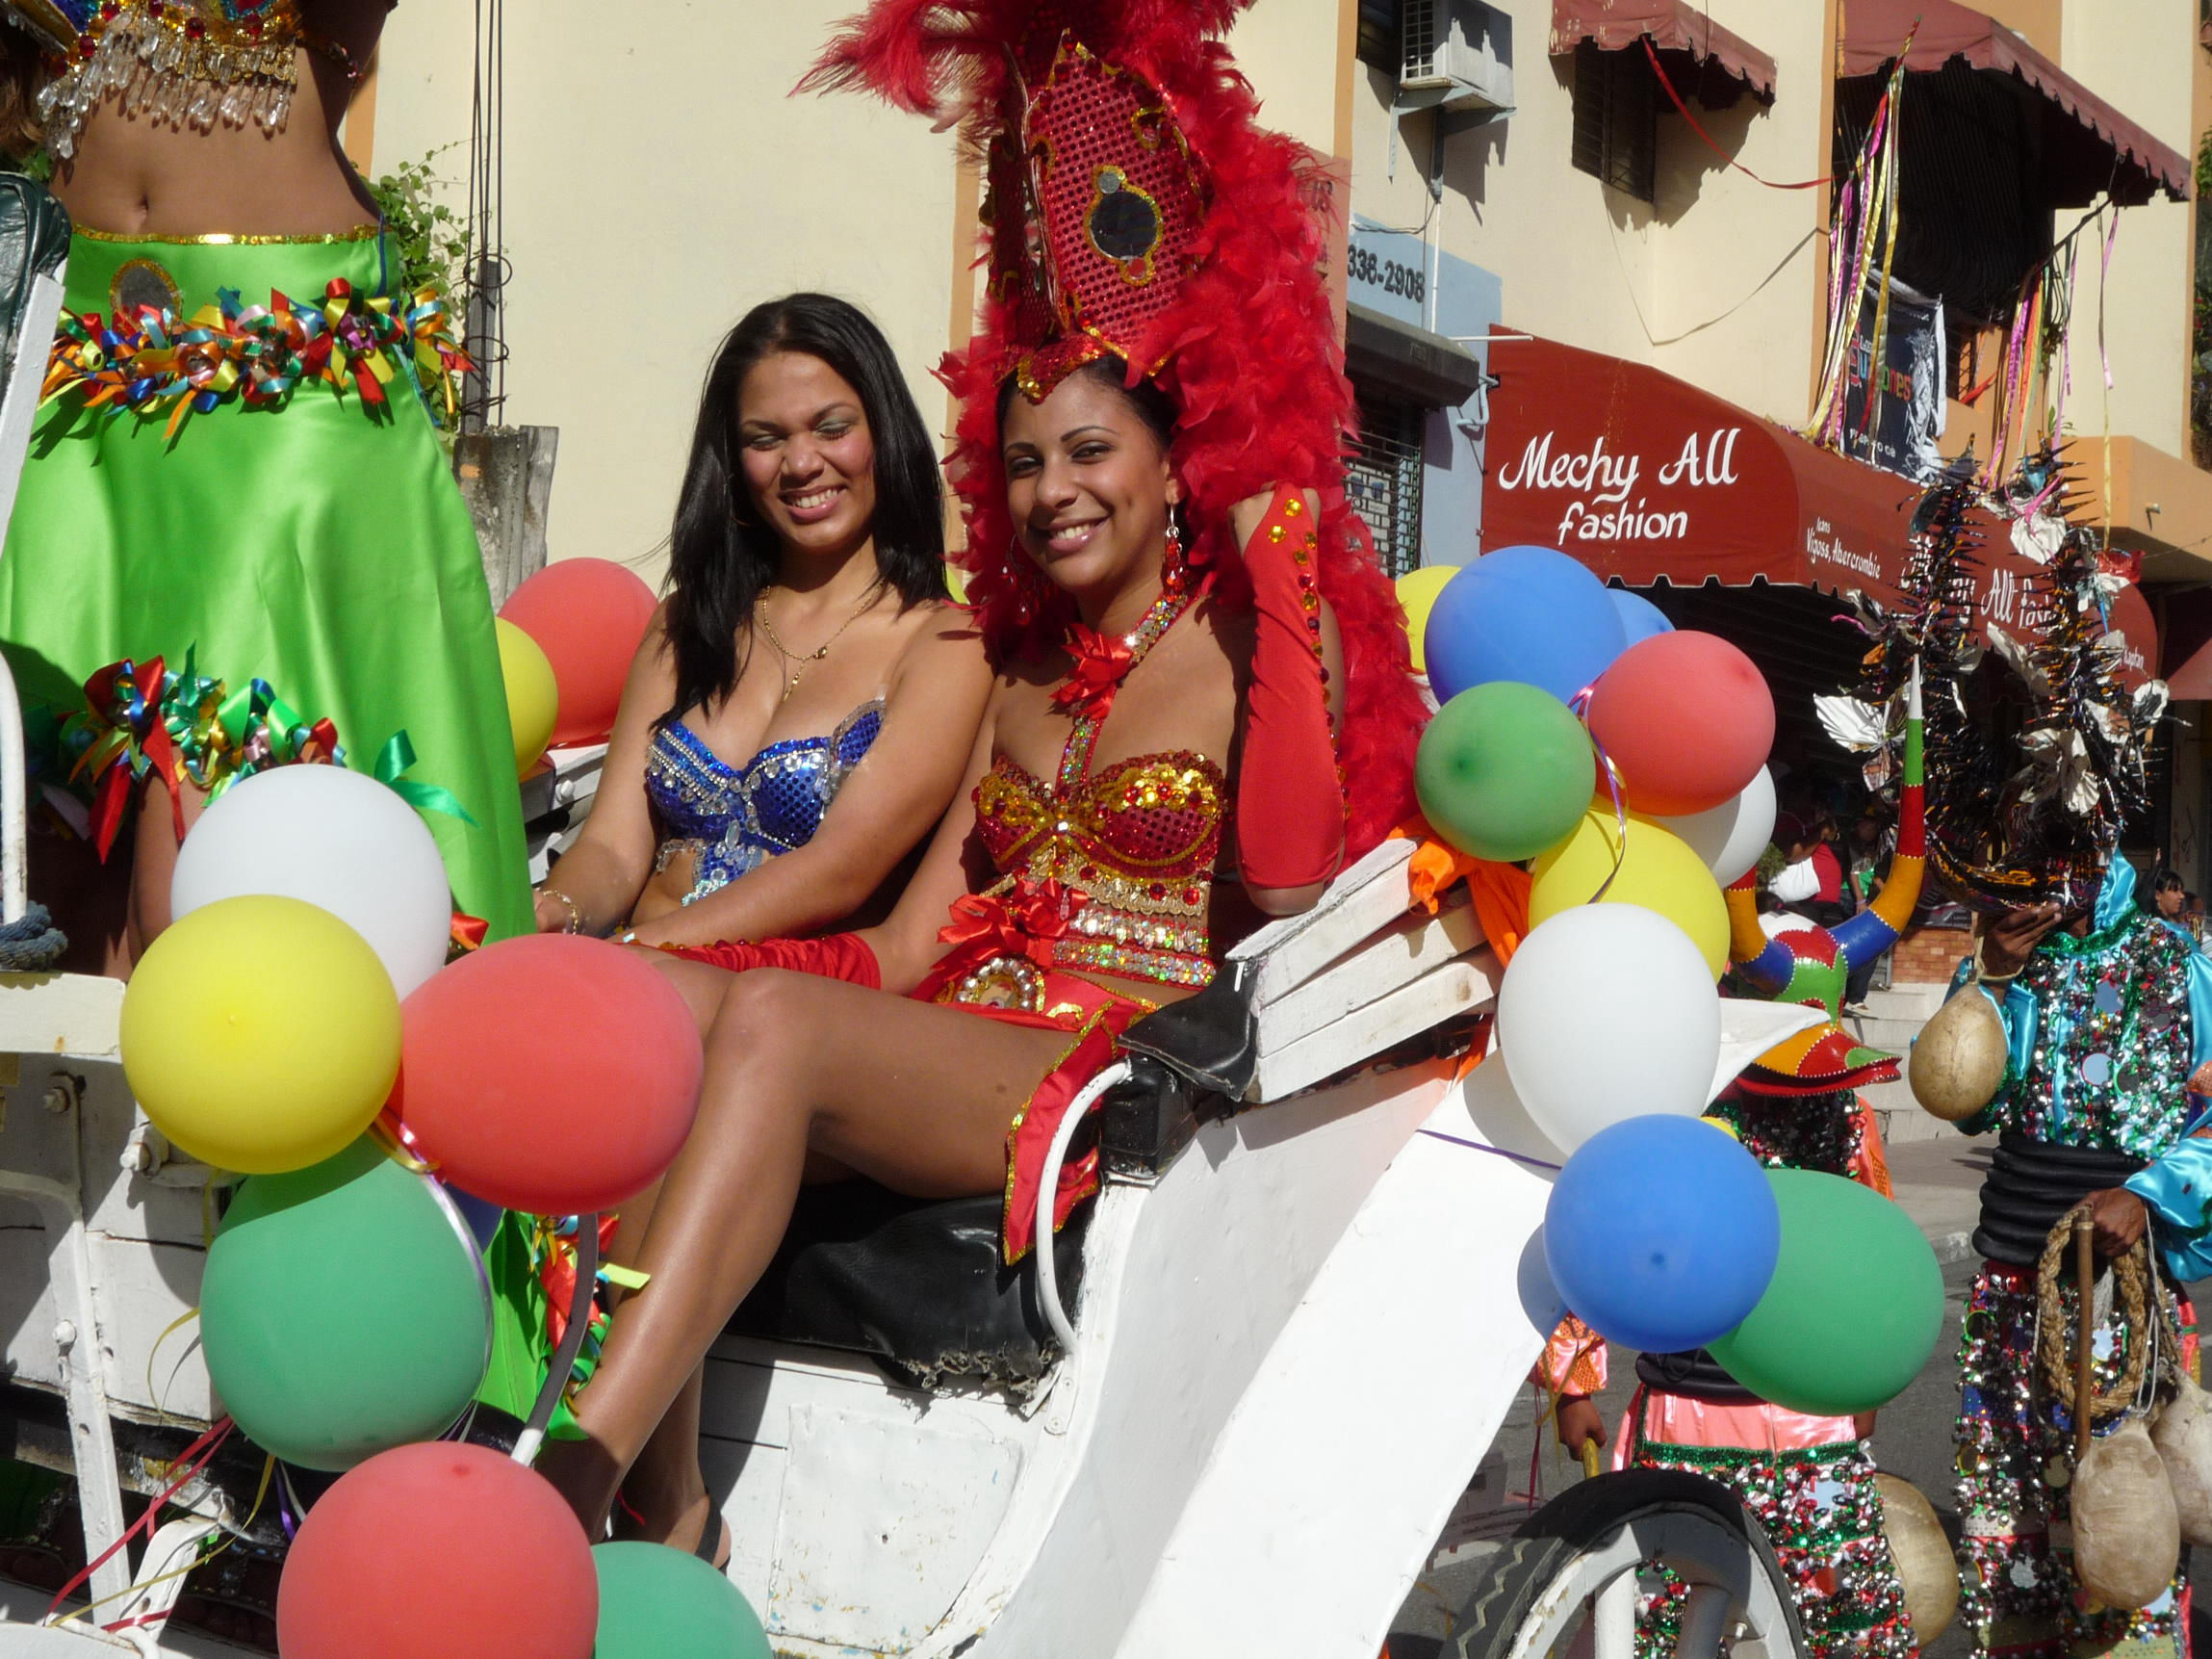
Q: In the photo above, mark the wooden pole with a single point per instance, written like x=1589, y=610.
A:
x=2085, y=1329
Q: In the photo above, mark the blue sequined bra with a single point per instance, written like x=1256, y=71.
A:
x=734, y=820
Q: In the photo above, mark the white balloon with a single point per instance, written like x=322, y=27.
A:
x=337, y=838
x=1731, y=837
x=1607, y=1012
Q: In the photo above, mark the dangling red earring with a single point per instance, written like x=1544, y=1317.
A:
x=1174, y=571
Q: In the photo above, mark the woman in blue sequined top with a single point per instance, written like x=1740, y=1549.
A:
x=802, y=709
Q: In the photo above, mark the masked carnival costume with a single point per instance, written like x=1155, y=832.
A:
x=2103, y=1032
x=237, y=541
x=1138, y=211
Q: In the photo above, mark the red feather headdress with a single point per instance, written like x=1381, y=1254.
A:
x=1182, y=240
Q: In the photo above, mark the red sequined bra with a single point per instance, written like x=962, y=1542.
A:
x=1139, y=843
x=1112, y=872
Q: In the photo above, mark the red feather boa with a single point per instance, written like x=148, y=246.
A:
x=1254, y=362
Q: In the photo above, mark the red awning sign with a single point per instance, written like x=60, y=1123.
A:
x=1645, y=477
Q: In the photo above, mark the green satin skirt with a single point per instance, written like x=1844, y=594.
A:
x=317, y=546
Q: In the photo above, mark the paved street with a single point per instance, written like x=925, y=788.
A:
x=1937, y=1181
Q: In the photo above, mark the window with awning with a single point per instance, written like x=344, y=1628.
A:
x=1702, y=58
x=2083, y=146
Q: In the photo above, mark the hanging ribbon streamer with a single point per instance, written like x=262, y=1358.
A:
x=1658, y=68
x=393, y=760
x=1867, y=225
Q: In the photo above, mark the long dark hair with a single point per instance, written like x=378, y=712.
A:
x=21, y=71
x=719, y=560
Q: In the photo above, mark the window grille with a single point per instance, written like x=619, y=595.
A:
x=1383, y=479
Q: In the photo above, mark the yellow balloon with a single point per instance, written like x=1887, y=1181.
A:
x=261, y=1034
x=533, y=694
x=1417, y=591
x=1659, y=871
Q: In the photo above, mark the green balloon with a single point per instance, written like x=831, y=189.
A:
x=661, y=1603
x=1855, y=1305
x=342, y=1313
x=1504, y=771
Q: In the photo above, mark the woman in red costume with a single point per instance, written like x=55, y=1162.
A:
x=1181, y=606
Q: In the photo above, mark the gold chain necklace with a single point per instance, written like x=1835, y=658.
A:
x=805, y=659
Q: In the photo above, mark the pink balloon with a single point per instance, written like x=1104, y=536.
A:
x=432, y=1550
x=1686, y=717
x=551, y=1074
x=588, y=617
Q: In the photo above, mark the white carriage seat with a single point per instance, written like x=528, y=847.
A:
x=920, y=1287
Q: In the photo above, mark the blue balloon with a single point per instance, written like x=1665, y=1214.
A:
x=1638, y=615
x=1661, y=1234
x=1526, y=614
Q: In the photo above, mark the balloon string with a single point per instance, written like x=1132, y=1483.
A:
x=137, y=1621
x=400, y=1144
x=189, y=1462
x=1580, y=703
x=1494, y=1151
x=160, y=1396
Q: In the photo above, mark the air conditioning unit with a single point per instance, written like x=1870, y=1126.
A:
x=1457, y=55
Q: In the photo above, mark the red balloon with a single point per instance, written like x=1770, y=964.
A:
x=432, y=1550
x=551, y=1074
x=1686, y=717
x=588, y=615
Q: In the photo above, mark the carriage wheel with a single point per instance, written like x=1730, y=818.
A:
x=1566, y=1585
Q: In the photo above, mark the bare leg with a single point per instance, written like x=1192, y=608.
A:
x=916, y=1096
x=701, y=984
x=667, y=1489
x=154, y=847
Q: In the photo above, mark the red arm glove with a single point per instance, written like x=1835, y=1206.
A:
x=1290, y=800
x=842, y=956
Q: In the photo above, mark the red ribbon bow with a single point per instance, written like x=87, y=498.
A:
x=1025, y=923
x=1101, y=664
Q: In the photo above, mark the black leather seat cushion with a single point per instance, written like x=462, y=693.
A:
x=915, y=1284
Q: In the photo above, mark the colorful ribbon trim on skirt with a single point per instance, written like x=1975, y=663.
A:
x=139, y=718
x=258, y=355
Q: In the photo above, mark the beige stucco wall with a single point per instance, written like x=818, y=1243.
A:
x=1676, y=283
x=1288, y=50
x=659, y=182
x=2139, y=54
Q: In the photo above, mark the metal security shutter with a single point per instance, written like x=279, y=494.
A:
x=1383, y=480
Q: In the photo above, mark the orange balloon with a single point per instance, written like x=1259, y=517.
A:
x=588, y=617
x=551, y=1074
